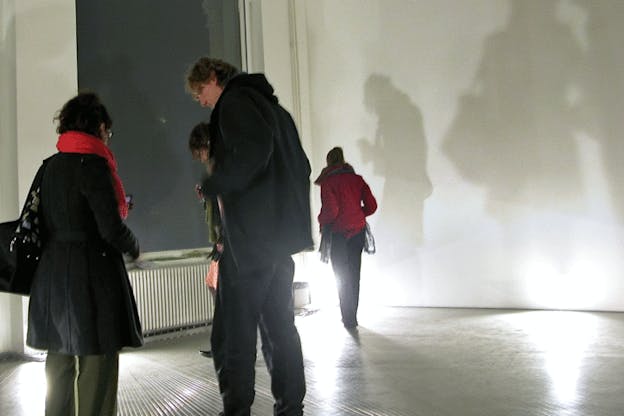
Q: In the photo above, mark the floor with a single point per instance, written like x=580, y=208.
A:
x=401, y=362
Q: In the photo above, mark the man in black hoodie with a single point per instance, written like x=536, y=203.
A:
x=262, y=181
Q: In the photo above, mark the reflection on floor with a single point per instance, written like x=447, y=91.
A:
x=401, y=362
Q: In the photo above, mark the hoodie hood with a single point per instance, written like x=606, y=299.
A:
x=333, y=170
x=257, y=82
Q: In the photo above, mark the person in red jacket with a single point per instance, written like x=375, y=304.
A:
x=346, y=202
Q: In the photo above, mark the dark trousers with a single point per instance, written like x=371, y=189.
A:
x=81, y=385
x=245, y=303
x=346, y=259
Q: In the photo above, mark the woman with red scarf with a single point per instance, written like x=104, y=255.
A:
x=82, y=309
x=346, y=202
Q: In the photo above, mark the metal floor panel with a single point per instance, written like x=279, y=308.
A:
x=401, y=362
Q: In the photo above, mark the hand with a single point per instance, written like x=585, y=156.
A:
x=130, y=257
x=140, y=263
x=198, y=192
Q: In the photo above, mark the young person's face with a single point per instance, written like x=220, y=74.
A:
x=201, y=155
x=208, y=93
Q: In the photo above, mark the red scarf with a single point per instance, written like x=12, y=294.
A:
x=79, y=142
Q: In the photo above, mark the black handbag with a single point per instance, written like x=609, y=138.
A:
x=21, y=242
x=369, y=241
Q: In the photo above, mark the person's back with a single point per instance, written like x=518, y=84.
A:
x=81, y=308
x=261, y=179
x=276, y=202
x=77, y=258
x=76, y=175
x=346, y=201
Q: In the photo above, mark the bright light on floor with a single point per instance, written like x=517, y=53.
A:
x=563, y=338
x=325, y=354
x=31, y=383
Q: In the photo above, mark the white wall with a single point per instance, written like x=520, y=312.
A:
x=281, y=25
x=11, y=330
x=490, y=133
x=38, y=73
x=510, y=110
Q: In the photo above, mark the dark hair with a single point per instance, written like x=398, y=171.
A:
x=200, y=137
x=335, y=157
x=83, y=113
x=205, y=69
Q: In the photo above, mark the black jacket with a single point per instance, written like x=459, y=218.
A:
x=81, y=302
x=262, y=175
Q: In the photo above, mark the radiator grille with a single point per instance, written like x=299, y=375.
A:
x=172, y=298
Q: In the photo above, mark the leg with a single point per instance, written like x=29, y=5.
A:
x=234, y=333
x=60, y=374
x=267, y=347
x=284, y=358
x=207, y=352
x=96, y=384
x=217, y=334
x=354, y=254
x=340, y=265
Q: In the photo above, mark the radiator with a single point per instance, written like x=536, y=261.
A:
x=172, y=297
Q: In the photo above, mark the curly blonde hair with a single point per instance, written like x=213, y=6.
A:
x=205, y=69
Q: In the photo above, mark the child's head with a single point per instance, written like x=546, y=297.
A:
x=199, y=142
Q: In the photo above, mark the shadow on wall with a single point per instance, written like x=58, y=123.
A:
x=603, y=90
x=514, y=131
x=399, y=154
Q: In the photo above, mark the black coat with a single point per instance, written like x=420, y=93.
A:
x=81, y=302
x=261, y=174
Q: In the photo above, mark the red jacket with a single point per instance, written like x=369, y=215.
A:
x=346, y=200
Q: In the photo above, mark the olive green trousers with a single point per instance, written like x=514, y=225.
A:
x=81, y=385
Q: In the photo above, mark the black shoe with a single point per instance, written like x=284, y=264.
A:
x=205, y=353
